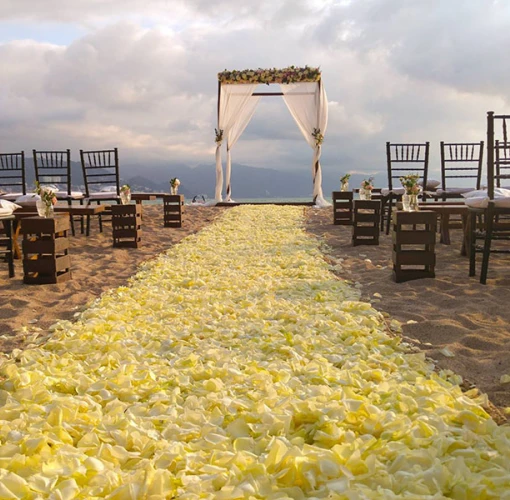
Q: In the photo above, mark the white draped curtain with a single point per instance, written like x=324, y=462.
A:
x=236, y=108
x=308, y=104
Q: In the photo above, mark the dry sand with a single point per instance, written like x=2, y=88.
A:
x=452, y=310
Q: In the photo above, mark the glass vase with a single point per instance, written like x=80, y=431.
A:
x=174, y=189
x=406, y=206
x=365, y=194
x=413, y=203
x=43, y=209
x=410, y=203
x=344, y=187
x=125, y=198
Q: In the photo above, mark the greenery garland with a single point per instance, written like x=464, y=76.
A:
x=291, y=74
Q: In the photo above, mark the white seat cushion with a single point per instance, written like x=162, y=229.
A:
x=104, y=195
x=10, y=196
x=453, y=190
x=7, y=207
x=475, y=193
x=431, y=184
x=480, y=199
x=396, y=191
x=75, y=195
x=27, y=199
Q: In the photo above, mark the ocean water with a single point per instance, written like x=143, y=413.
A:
x=187, y=201
x=274, y=200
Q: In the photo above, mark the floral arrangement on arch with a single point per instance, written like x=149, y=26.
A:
x=291, y=74
x=46, y=193
x=368, y=184
x=318, y=136
x=218, y=135
x=410, y=183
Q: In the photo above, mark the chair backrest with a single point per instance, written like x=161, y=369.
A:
x=100, y=169
x=404, y=159
x=501, y=162
x=461, y=160
x=498, y=151
x=53, y=168
x=12, y=172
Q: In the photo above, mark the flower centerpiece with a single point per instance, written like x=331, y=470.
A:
x=174, y=185
x=365, y=192
x=344, y=182
x=125, y=194
x=291, y=74
x=412, y=189
x=48, y=198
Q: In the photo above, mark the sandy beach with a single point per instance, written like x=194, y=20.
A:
x=452, y=311
x=96, y=266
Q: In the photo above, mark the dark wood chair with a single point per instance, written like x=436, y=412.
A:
x=403, y=159
x=53, y=168
x=502, y=163
x=12, y=175
x=460, y=160
x=495, y=225
x=101, y=177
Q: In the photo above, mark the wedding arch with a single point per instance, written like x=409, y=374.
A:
x=302, y=91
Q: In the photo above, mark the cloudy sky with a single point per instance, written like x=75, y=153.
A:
x=142, y=75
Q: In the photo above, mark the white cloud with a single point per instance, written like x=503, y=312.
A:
x=142, y=76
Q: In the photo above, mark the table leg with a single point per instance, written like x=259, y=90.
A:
x=8, y=225
x=15, y=244
x=445, y=229
x=139, y=202
x=465, y=235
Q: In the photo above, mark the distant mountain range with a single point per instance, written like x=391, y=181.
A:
x=247, y=182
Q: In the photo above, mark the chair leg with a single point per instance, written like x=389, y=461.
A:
x=384, y=206
x=389, y=213
x=472, y=243
x=100, y=221
x=69, y=203
x=81, y=219
x=487, y=246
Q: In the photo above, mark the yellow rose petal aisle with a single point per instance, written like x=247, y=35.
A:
x=238, y=366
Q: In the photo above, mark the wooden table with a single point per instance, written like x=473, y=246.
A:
x=342, y=207
x=83, y=210
x=444, y=210
x=8, y=241
x=46, y=249
x=30, y=211
x=366, y=220
x=140, y=197
x=172, y=210
x=414, y=240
